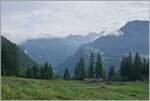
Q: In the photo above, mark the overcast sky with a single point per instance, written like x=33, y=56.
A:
x=33, y=19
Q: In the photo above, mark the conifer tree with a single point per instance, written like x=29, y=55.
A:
x=111, y=74
x=91, y=71
x=80, y=70
x=123, y=68
x=50, y=72
x=129, y=66
x=137, y=67
x=35, y=71
x=47, y=71
x=29, y=72
x=99, y=67
x=66, y=74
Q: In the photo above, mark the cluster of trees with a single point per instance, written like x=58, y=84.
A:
x=9, y=58
x=131, y=68
x=40, y=72
x=134, y=68
x=95, y=69
x=13, y=58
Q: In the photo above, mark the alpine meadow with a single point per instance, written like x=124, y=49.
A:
x=75, y=50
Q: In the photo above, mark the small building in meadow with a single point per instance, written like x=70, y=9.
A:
x=93, y=80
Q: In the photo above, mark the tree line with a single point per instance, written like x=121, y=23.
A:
x=40, y=72
x=95, y=69
x=132, y=67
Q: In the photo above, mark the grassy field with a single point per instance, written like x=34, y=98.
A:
x=21, y=88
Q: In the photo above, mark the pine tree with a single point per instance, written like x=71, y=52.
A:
x=123, y=69
x=35, y=71
x=66, y=74
x=46, y=71
x=9, y=58
x=76, y=72
x=50, y=72
x=45, y=68
x=42, y=71
x=111, y=74
x=145, y=69
x=80, y=70
x=29, y=73
x=129, y=67
x=91, y=72
x=99, y=67
x=137, y=67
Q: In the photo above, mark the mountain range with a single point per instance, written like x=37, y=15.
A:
x=66, y=52
x=56, y=50
x=133, y=37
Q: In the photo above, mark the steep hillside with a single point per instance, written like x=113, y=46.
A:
x=56, y=50
x=13, y=56
x=135, y=38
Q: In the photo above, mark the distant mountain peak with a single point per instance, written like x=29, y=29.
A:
x=135, y=26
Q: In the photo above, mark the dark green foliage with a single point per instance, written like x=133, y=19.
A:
x=32, y=72
x=127, y=68
x=99, y=67
x=137, y=67
x=66, y=74
x=117, y=77
x=133, y=69
x=47, y=71
x=35, y=71
x=9, y=57
x=80, y=73
x=42, y=72
x=145, y=67
x=123, y=69
x=130, y=66
x=91, y=70
x=29, y=72
x=50, y=72
x=111, y=74
x=13, y=59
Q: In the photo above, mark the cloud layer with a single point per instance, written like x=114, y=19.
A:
x=34, y=19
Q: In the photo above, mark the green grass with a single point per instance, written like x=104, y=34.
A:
x=21, y=88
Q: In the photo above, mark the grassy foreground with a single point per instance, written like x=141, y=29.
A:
x=21, y=88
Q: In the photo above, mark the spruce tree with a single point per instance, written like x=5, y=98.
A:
x=29, y=73
x=80, y=73
x=42, y=71
x=111, y=74
x=99, y=67
x=47, y=71
x=123, y=68
x=137, y=67
x=76, y=72
x=130, y=67
x=35, y=71
x=91, y=70
x=66, y=74
x=145, y=68
x=50, y=72
x=45, y=68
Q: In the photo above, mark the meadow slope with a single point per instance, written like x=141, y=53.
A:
x=21, y=88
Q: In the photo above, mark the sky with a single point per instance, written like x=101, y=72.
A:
x=22, y=20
